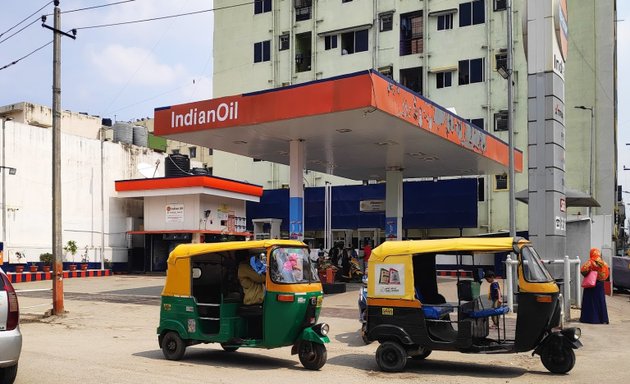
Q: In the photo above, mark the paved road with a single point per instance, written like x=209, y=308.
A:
x=108, y=336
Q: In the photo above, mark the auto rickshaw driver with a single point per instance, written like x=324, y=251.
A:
x=252, y=276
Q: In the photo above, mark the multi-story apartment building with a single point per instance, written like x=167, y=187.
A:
x=450, y=51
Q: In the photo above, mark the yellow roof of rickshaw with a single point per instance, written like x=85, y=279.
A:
x=468, y=244
x=178, y=273
x=185, y=251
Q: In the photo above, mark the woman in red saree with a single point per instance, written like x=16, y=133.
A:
x=594, y=309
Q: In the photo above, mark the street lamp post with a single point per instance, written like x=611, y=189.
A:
x=590, y=161
x=507, y=73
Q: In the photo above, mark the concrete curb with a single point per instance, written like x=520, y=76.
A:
x=40, y=276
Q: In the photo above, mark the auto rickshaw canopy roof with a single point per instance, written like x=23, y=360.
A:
x=178, y=274
x=464, y=244
x=391, y=268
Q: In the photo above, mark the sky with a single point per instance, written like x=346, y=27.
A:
x=124, y=72
x=121, y=72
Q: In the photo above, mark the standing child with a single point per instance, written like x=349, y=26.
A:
x=494, y=295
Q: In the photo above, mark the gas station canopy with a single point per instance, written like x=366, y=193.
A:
x=356, y=126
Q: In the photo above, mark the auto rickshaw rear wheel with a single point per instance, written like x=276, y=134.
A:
x=424, y=353
x=173, y=347
x=229, y=348
x=558, y=360
x=312, y=355
x=391, y=357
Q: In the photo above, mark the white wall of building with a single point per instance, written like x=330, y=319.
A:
x=193, y=218
x=29, y=193
x=80, y=124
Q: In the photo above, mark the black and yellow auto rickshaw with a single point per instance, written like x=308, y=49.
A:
x=409, y=317
x=203, y=300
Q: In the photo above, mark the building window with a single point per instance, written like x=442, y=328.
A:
x=411, y=33
x=501, y=182
x=352, y=42
x=481, y=189
x=192, y=152
x=412, y=78
x=470, y=71
x=386, y=22
x=175, y=151
x=303, y=9
x=472, y=13
x=501, y=61
x=210, y=151
x=330, y=42
x=283, y=42
x=303, y=52
x=500, y=5
x=501, y=121
x=262, y=51
x=445, y=22
x=262, y=6
x=443, y=79
x=387, y=71
x=479, y=123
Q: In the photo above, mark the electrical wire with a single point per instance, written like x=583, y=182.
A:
x=96, y=7
x=25, y=56
x=18, y=31
x=26, y=18
x=164, y=17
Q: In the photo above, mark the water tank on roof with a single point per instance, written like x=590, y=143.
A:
x=123, y=133
x=177, y=165
x=200, y=171
x=140, y=136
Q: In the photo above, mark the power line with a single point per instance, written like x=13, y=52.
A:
x=164, y=17
x=25, y=56
x=18, y=31
x=95, y=7
x=26, y=18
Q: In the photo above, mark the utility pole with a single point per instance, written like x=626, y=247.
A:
x=4, y=169
x=510, y=80
x=56, y=160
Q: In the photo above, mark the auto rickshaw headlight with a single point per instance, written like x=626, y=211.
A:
x=572, y=333
x=321, y=329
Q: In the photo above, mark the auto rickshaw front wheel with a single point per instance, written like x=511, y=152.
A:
x=391, y=357
x=312, y=355
x=364, y=334
x=228, y=347
x=173, y=347
x=558, y=360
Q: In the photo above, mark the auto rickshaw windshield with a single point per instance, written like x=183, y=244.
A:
x=534, y=270
x=291, y=266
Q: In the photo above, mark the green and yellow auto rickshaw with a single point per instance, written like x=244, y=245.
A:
x=410, y=317
x=203, y=300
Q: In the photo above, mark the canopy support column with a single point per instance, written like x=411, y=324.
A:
x=393, y=203
x=296, y=189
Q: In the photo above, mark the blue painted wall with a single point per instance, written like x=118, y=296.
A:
x=427, y=204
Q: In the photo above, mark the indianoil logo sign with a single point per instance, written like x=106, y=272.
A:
x=197, y=116
x=207, y=114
